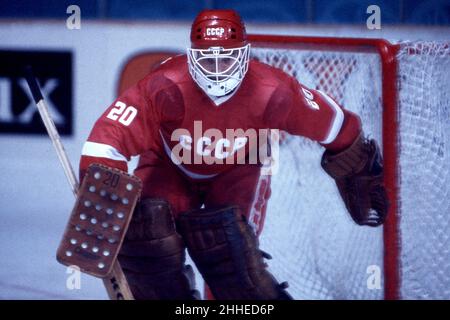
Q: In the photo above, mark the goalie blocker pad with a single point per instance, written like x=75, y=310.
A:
x=99, y=220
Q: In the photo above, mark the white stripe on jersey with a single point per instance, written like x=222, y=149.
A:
x=102, y=150
x=337, y=121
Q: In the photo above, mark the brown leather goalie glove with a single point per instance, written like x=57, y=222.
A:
x=358, y=172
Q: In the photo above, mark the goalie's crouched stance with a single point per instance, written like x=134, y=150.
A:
x=225, y=250
x=153, y=255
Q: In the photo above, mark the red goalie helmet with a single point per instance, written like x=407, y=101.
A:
x=219, y=53
x=221, y=28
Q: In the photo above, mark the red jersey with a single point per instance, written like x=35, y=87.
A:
x=167, y=112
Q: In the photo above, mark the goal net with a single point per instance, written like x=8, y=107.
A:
x=401, y=93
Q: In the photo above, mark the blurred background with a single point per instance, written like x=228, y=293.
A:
x=412, y=12
x=80, y=71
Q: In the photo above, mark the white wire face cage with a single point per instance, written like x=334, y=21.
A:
x=216, y=70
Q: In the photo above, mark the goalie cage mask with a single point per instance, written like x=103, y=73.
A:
x=219, y=54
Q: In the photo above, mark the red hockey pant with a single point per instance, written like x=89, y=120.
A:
x=242, y=186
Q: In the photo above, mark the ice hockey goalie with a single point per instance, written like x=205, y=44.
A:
x=196, y=124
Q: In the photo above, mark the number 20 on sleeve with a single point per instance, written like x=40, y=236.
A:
x=122, y=113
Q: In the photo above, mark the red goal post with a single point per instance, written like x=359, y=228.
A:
x=387, y=53
x=410, y=120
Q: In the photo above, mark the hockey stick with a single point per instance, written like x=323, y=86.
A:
x=116, y=285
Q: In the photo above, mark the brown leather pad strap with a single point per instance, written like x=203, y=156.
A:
x=226, y=252
x=99, y=220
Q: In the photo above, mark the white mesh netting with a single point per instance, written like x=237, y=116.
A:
x=424, y=101
x=315, y=245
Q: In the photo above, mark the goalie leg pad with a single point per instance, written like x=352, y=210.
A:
x=225, y=250
x=153, y=255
